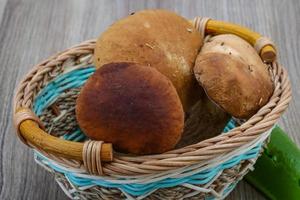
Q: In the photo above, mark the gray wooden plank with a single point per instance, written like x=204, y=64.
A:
x=32, y=30
x=2, y=8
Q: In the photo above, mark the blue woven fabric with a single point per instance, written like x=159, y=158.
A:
x=77, y=78
x=57, y=86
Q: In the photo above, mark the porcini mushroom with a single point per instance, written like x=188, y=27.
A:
x=134, y=107
x=157, y=38
x=233, y=75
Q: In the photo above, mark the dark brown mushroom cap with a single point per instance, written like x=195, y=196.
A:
x=134, y=107
x=233, y=75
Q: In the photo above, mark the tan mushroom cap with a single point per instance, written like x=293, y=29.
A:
x=134, y=107
x=159, y=39
x=233, y=75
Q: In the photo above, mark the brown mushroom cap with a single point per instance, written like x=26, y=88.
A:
x=156, y=38
x=233, y=75
x=134, y=107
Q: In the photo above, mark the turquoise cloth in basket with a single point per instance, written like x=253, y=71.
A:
x=77, y=78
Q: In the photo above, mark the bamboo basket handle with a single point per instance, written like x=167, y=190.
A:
x=214, y=27
x=30, y=132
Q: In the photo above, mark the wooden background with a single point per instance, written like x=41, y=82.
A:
x=32, y=30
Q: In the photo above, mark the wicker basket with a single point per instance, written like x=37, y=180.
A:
x=84, y=169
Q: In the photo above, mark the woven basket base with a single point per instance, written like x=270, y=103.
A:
x=223, y=185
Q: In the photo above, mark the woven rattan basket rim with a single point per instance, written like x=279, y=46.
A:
x=263, y=120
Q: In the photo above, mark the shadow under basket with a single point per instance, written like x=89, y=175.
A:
x=44, y=116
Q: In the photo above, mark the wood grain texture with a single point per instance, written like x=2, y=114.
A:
x=32, y=30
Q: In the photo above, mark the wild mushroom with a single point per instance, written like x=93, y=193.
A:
x=159, y=39
x=233, y=75
x=134, y=107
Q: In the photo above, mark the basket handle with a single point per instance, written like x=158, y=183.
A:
x=31, y=132
x=264, y=46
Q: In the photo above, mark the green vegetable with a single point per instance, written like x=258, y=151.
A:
x=277, y=171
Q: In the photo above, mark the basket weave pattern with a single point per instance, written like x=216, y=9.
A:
x=208, y=169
